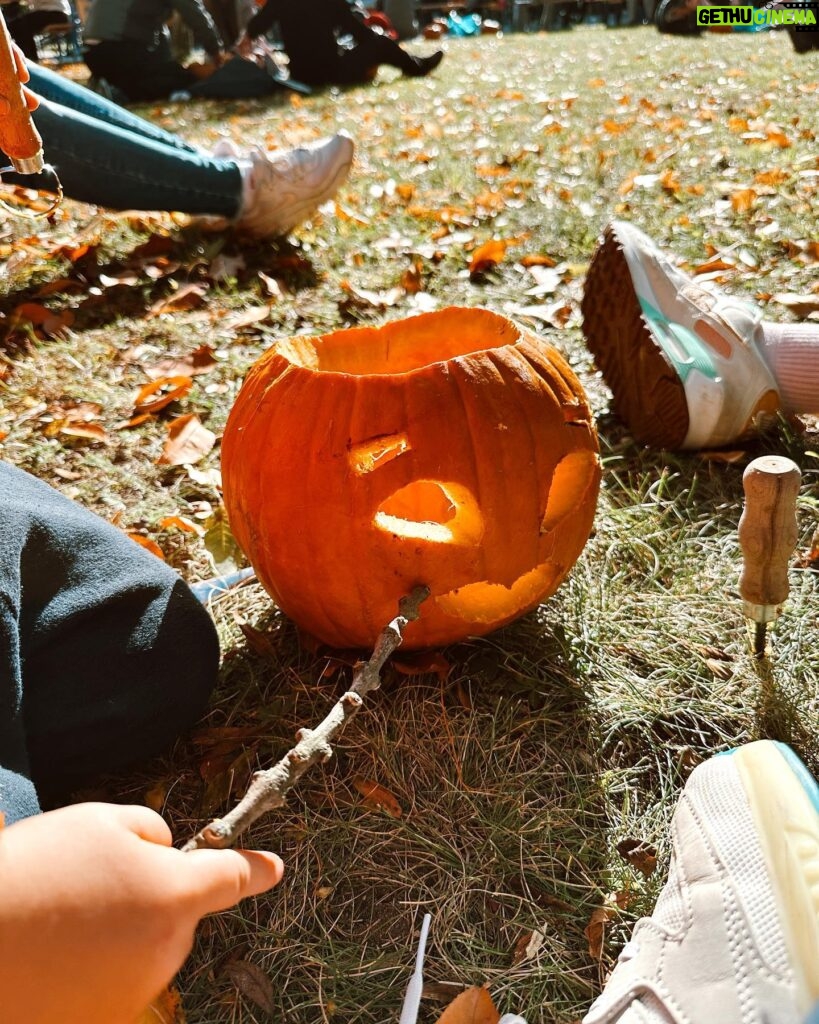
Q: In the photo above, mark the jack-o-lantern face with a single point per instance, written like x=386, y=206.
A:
x=452, y=449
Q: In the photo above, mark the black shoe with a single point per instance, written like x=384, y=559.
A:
x=423, y=65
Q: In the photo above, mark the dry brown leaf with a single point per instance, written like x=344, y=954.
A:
x=639, y=854
x=377, y=797
x=473, y=1006
x=719, y=668
x=86, y=431
x=189, y=296
x=253, y=315
x=259, y=642
x=595, y=930
x=487, y=256
x=155, y=797
x=527, y=946
x=189, y=440
x=537, y=260
x=183, y=524
x=714, y=265
x=47, y=320
x=165, y=1009
x=254, y=984
x=201, y=360
x=159, y=393
x=423, y=663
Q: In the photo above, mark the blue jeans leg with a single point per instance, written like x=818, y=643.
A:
x=59, y=89
x=106, y=156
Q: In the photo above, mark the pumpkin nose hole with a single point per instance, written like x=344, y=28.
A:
x=377, y=452
x=431, y=510
x=572, y=480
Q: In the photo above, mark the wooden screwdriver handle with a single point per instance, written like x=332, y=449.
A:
x=767, y=529
x=19, y=139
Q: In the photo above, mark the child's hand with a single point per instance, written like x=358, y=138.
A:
x=97, y=912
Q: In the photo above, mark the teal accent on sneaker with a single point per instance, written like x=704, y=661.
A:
x=801, y=772
x=697, y=355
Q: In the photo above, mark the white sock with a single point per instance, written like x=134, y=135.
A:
x=792, y=353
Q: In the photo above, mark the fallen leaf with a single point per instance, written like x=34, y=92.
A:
x=189, y=296
x=527, y=946
x=743, y=200
x=253, y=315
x=165, y=1009
x=363, y=298
x=159, y=393
x=799, y=305
x=189, y=440
x=377, y=797
x=719, y=669
x=537, y=260
x=148, y=544
x=220, y=543
x=181, y=523
x=472, y=1006
x=86, y=431
x=260, y=642
x=254, y=984
x=441, y=991
x=487, y=256
x=595, y=930
x=710, y=266
x=640, y=855
x=201, y=360
x=47, y=320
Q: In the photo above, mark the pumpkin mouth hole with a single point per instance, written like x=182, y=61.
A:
x=487, y=602
x=435, y=511
x=377, y=452
x=405, y=345
x=571, y=481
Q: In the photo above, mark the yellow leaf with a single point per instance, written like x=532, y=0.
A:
x=743, y=199
x=473, y=1006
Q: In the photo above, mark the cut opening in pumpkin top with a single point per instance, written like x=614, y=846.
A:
x=403, y=346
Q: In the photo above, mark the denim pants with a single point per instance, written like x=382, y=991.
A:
x=105, y=654
x=107, y=156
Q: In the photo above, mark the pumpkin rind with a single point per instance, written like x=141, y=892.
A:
x=474, y=470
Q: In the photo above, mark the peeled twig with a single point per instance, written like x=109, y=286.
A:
x=268, y=789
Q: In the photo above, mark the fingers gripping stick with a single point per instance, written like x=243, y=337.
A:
x=767, y=535
x=19, y=139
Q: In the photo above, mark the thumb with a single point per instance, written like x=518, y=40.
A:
x=220, y=878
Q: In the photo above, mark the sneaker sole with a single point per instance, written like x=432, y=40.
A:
x=647, y=393
x=784, y=802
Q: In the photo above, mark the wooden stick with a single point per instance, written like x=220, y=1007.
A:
x=268, y=789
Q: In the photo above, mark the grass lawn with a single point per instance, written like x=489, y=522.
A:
x=521, y=769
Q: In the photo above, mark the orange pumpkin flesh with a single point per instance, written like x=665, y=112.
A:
x=453, y=449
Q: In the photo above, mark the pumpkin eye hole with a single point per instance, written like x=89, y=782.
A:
x=377, y=452
x=432, y=510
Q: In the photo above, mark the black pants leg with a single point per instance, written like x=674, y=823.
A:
x=105, y=655
x=143, y=75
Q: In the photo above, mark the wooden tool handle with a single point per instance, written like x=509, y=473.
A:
x=19, y=139
x=767, y=529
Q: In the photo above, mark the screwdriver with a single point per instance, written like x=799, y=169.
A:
x=767, y=536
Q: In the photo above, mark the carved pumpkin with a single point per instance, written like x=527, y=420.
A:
x=453, y=449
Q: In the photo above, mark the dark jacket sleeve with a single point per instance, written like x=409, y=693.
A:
x=201, y=24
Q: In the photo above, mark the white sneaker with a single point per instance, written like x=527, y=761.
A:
x=283, y=189
x=734, y=938
x=683, y=364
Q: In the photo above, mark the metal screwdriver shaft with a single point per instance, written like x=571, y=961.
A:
x=767, y=536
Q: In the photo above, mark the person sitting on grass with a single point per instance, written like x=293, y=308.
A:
x=107, y=156
x=105, y=658
x=689, y=367
x=127, y=46
x=312, y=32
